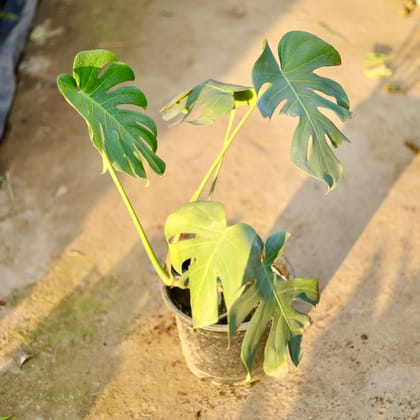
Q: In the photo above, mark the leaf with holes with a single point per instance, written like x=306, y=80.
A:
x=208, y=102
x=304, y=93
x=198, y=233
x=270, y=301
x=126, y=135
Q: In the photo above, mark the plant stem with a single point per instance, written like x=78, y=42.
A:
x=219, y=159
x=143, y=237
x=219, y=166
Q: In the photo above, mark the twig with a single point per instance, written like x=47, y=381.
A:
x=9, y=188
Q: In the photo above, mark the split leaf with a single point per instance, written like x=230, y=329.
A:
x=207, y=102
x=126, y=135
x=218, y=255
x=270, y=301
x=303, y=93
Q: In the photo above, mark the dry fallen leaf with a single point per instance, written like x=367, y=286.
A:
x=395, y=88
x=21, y=357
x=412, y=146
x=378, y=72
x=372, y=59
x=409, y=7
x=375, y=65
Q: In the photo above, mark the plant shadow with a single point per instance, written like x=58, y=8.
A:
x=377, y=158
x=364, y=250
x=363, y=361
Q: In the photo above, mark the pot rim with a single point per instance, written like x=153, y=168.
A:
x=214, y=327
x=188, y=320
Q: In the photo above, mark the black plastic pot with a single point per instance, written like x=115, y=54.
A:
x=206, y=350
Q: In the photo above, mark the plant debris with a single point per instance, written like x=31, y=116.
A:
x=167, y=13
x=43, y=32
x=21, y=357
x=409, y=7
x=395, y=88
x=413, y=147
x=375, y=65
x=330, y=31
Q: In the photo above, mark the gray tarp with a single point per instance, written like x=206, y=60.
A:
x=14, y=27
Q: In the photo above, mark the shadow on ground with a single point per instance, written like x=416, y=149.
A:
x=360, y=363
x=98, y=350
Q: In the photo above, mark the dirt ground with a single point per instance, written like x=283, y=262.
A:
x=77, y=291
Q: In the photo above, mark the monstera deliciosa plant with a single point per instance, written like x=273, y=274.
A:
x=226, y=268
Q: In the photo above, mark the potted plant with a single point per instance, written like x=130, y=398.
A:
x=220, y=277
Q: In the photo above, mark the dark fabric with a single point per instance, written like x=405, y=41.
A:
x=14, y=28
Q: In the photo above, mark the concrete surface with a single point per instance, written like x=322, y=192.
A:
x=76, y=289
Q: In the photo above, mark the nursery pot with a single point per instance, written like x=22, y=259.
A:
x=206, y=350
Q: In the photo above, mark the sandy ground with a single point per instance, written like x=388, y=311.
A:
x=76, y=289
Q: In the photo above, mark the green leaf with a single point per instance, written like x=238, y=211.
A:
x=125, y=135
x=295, y=83
x=271, y=298
x=207, y=102
x=274, y=247
x=218, y=254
